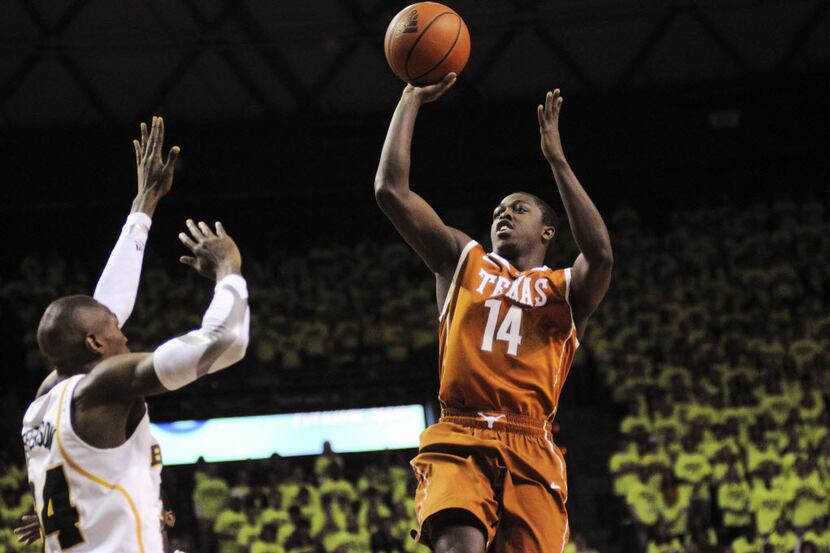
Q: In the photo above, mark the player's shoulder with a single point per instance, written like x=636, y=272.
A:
x=36, y=411
x=470, y=256
x=560, y=280
x=42, y=411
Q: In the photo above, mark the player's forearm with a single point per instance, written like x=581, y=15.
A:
x=588, y=228
x=393, y=170
x=118, y=285
x=220, y=342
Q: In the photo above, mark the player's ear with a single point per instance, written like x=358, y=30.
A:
x=93, y=344
x=547, y=234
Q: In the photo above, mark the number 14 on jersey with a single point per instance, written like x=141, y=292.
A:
x=508, y=331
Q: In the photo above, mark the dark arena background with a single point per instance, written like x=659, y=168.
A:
x=699, y=128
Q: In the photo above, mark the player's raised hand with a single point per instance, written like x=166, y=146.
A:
x=29, y=530
x=215, y=255
x=155, y=175
x=430, y=93
x=549, y=126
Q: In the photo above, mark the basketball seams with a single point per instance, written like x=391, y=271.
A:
x=449, y=50
x=417, y=40
x=387, y=43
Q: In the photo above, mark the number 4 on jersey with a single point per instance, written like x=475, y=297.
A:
x=58, y=514
x=509, y=330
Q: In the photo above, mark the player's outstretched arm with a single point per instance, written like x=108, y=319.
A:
x=118, y=285
x=436, y=243
x=591, y=273
x=220, y=342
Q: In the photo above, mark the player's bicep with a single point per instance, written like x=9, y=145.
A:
x=436, y=243
x=589, y=283
x=121, y=379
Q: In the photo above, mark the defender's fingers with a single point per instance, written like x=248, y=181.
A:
x=144, y=135
x=160, y=135
x=172, y=156
x=154, y=138
x=194, y=230
x=150, y=150
x=206, y=230
x=137, y=147
x=548, y=103
x=187, y=260
x=540, y=115
x=185, y=239
x=220, y=230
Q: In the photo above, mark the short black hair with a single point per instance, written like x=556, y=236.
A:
x=549, y=216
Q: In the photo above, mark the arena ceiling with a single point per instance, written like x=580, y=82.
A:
x=71, y=63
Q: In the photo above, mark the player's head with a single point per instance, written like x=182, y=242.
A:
x=76, y=331
x=522, y=221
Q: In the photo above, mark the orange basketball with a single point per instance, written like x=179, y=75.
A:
x=425, y=41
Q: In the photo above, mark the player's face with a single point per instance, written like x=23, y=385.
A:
x=110, y=335
x=517, y=224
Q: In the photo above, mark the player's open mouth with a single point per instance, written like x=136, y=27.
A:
x=504, y=227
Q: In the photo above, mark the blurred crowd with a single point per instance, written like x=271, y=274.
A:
x=277, y=506
x=15, y=501
x=326, y=308
x=715, y=336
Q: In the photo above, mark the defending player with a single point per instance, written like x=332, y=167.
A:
x=94, y=466
x=489, y=474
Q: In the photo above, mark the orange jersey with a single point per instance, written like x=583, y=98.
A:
x=507, y=337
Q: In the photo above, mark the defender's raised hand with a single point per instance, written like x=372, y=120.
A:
x=549, y=126
x=430, y=93
x=215, y=255
x=155, y=176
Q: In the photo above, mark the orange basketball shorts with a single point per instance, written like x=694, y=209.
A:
x=504, y=469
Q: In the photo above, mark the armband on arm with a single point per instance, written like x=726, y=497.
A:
x=118, y=285
x=219, y=343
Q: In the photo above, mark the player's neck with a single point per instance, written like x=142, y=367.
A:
x=524, y=260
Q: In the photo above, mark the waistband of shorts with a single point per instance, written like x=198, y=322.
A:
x=497, y=420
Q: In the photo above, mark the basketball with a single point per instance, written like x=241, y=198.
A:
x=425, y=41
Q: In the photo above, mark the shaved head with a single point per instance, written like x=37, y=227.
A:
x=63, y=330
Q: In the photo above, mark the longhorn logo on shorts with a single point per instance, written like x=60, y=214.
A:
x=490, y=419
x=408, y=25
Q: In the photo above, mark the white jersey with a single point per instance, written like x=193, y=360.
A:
x=87, y=498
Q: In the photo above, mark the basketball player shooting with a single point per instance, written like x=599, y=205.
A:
x=94, y=466
x=489, y=475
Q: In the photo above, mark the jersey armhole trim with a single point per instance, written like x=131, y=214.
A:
x=568, y=275
x=451, y=290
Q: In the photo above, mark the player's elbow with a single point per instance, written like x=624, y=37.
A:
x=238, y=348
x=233, y=347
x=386, y=193
x=602, y=258
x=234, y=343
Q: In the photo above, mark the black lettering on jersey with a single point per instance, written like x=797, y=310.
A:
x=155, y=455
x=39, y=436
x=59, y=515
